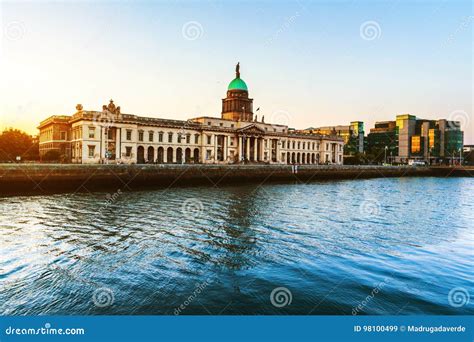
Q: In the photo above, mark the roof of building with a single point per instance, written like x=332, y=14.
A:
x=237, y=84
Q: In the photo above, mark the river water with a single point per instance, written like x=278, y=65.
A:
x=380, y=246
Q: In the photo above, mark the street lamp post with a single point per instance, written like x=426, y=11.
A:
x=385, y=158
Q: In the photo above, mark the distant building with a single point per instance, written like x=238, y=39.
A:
x=352, y=134
x=468, y=154
x=408, y=138
x=237, y=136
x=55, y=136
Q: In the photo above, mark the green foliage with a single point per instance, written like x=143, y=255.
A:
x=14, y=142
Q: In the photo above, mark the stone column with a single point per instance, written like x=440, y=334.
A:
x=277, y=151
x=247, y=148
x=224, y=148
x=118, y=142
x=240, y=148
x=255, y=145
x=215, y=139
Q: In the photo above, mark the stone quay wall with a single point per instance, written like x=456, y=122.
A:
x=45, y=178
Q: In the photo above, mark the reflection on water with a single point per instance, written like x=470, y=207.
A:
x=224, y=250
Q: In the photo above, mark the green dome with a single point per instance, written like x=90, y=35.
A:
x=237, y=84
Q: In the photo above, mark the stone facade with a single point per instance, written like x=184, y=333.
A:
x=110, y=136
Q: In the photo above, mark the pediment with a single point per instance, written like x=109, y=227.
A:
x=251, y=129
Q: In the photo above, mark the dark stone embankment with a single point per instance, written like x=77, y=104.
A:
x=49, y=178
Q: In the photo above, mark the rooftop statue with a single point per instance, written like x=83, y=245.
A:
x=111, y=108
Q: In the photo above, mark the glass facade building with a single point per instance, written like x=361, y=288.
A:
x=408, y=138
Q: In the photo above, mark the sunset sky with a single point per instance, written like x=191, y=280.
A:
x=306, y=63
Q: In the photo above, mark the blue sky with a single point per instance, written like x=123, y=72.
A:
x=310, y=60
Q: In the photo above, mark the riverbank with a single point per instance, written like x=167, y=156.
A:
x=46, y=178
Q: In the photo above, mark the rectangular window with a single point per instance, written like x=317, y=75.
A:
x=303, y=145
x=209, y=139
x=140, y=136
x=415, y=144
x=293, y=144
x=91, y=132
x=160, y=137
x=196, y=139
x=128, y=151
x=91, y=151
x=327, y=147
x=283, y=144
x=150, y=136
x=63, y=135
x=179, y=138
x=188, y=139
x=129, y=134
x=208, y=154
x=170, y=137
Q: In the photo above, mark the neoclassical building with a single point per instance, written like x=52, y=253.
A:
x=110, y=136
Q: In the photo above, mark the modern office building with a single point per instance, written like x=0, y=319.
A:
x=468, y=154
x=237, y=136
x=408, y=138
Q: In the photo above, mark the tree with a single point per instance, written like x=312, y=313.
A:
x=52, y=155
x=15, y=143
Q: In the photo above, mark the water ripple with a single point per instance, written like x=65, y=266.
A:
x=330, y=243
